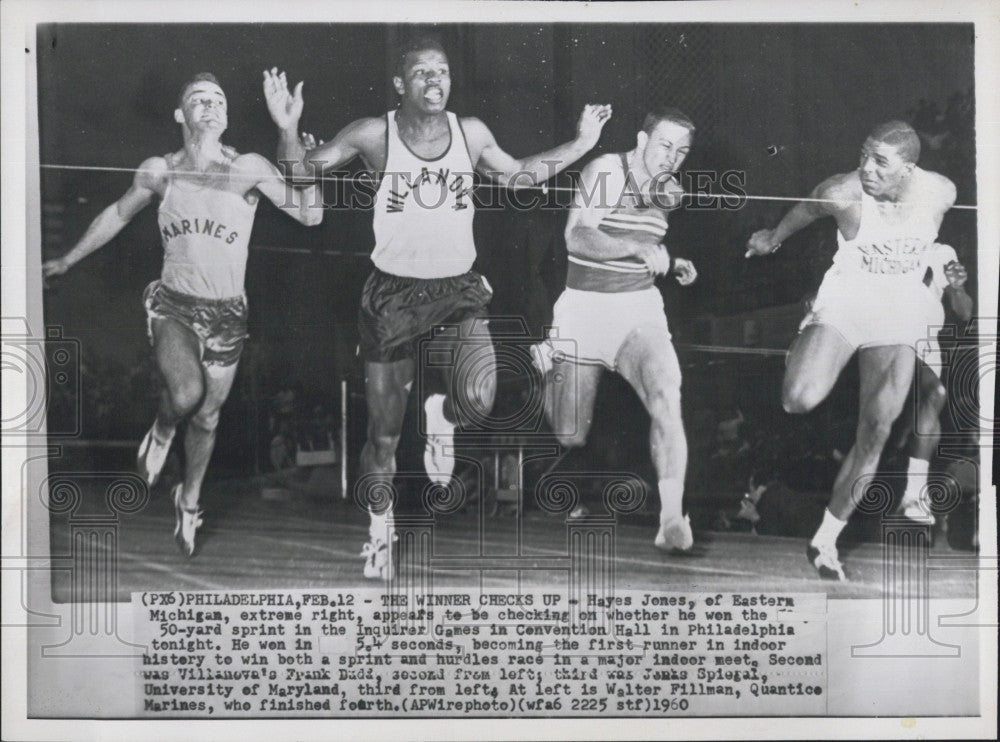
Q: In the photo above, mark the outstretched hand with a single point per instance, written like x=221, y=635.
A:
x=592, y=121
x=285, y=107
x=51, y=268
x=761, y=242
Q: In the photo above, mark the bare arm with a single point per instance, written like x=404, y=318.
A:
x=305, y=205
x=286, y=109
x=832, y=195
x=515, y=173
x=961, y=303
x=348, y=143
x=590, y=242
x=800, y=216
x=947, y=194
x=113, y=219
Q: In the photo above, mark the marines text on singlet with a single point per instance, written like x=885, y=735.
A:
x=632, y=219
x=883, y=247
x=423, y=208
x=205, y=232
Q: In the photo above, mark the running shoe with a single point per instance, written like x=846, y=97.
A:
x=188, y=522
x=825, y=559
x=377, y=552
x=675, y=535
x=911, y=507
x=439, y=455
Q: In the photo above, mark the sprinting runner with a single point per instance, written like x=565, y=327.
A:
x=888, y=212
x=197, y=310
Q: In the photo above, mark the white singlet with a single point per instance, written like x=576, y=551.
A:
x=205, y=234
x=423, y=208
x=882, y=247
x=873, y=294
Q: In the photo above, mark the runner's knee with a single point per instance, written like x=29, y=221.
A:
x=385, y=444
x=186, y=396
x=801, y=395
x=206, y=420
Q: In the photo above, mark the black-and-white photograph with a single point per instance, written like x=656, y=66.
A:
x=527, y=366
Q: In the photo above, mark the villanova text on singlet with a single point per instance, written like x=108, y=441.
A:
x=423, y=208
x=883, y=248
x=205, y=233
x=631, y=219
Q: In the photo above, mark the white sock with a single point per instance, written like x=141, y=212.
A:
x=829, y=530
x=671, y=499
x=381, y=524
x=916, y=480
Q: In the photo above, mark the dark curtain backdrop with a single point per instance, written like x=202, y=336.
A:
x=788, y=105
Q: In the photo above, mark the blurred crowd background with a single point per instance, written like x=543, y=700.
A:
x=784, y=106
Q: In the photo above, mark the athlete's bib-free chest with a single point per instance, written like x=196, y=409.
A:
x=205, y=232
x=891, y=239
x=423, y=207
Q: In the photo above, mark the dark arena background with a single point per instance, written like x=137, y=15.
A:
x=779, y=107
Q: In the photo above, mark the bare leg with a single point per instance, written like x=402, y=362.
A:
x=387, y=387
x=570, y=391
x=886, y=374
x=926, y=433
x=178, y=357
x=648, y=362
x=814, y=362
x=472, y=380
x=189, y=388
x=470, y=383
x=928, y=414
x=199, y=438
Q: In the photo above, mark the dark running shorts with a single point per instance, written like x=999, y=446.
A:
x=397, y=311
x=220, y=324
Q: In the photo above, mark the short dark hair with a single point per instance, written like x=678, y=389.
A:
x=414, y=45
x=900, y=135
x=199, y=77
x=658, y=115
